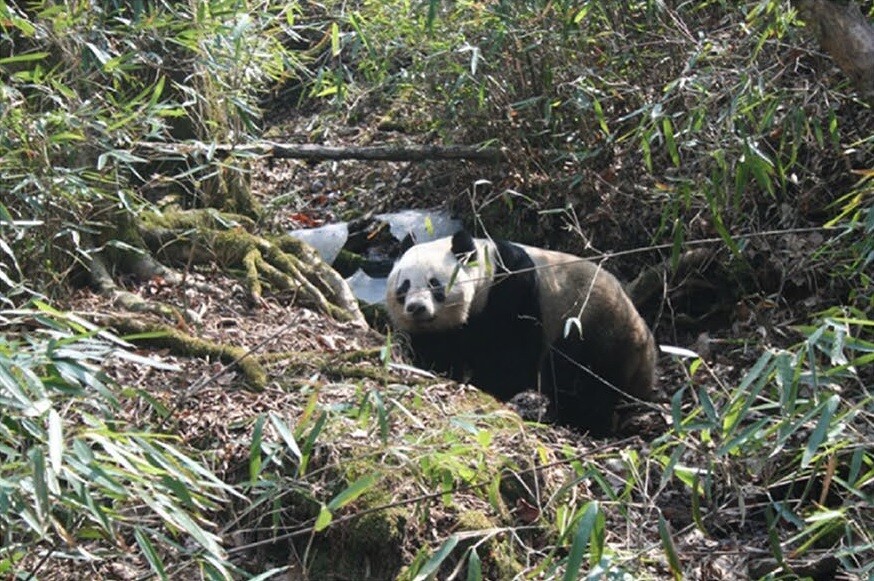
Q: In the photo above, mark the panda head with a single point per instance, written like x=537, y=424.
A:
x=436, y=286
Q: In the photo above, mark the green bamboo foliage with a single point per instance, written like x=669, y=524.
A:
x=74, y=476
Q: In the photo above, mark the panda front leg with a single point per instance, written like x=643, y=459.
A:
x=576, y=378
x=441, y=353
x=505, y=362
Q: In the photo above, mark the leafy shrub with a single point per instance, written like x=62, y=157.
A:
x=79, y=478
x=91, y=93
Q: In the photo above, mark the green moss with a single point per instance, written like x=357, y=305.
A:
x=475, y=520
x=496, y=554
x=167, y=336
x=368, y=547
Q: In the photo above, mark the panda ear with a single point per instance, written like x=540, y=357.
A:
x=463, y=246
x=408, y=242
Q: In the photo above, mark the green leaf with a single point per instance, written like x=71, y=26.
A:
x=381, y=415
x=335, y=39
x=647, y=152
x=599, y=115
x=324, y=519
x=310, y=442
x=255, y=450
x=581, y=541
x=150, y=553
x=724, y=234
x=707, y=405
x=670, y=142
x=819, y=433
x=774, y=536
x=433, y=5
x=696, y=504
x=676, y=409
x=286, y=434
x=157, y=90
x=433, y=564
x=474, y=566
x=21, y=58
x=743, y=398
x=353, y=491
x=670, y=548
x=40, y=486
x=598, y=539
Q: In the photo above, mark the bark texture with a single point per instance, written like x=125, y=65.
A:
x=847, y=36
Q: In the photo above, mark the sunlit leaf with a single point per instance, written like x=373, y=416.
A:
x=433, y=564
x=286, y=435
x=323, y=519
x=581, y=541
x=353, y=491
x=55, y=440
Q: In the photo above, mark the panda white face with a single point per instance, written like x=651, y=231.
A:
x=432, y=289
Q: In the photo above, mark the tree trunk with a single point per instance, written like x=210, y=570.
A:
x=847, y=36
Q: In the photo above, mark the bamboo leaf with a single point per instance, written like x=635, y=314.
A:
x=22, y=58
x=255, y=449
x=581, y=541
x=271, y=574
x=669, y=548
x=335, y=39
x=819, y=433
x=353, y=491
x=381, y=415
x=433, y=5
x=676, y=408
x=40, y=487
x=324, y=519
x=310, y=442
x=474, y=566
x=150, y=553
x=707, y=406
x=670, y=142
x=433, y=564
x=286, y=434
x=56, y=440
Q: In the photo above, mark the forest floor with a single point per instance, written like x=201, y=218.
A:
x=213, y=409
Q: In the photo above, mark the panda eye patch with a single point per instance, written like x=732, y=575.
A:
x=437, y=290
x=401, y=292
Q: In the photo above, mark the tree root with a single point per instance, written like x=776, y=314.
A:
x=199, y=236
x=104, y=283
x=162, y=336
x=250, y=364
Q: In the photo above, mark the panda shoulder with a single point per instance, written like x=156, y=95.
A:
x=513, y=257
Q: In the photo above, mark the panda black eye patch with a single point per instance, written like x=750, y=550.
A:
x=401, y=292
x=437, y=290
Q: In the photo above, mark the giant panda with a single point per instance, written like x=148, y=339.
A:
x=495, y=314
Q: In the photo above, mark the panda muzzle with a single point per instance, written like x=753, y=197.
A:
x=418, y=311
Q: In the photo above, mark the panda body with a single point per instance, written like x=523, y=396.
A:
x=494, y=313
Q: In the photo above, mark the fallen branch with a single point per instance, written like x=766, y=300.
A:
x=311, y=152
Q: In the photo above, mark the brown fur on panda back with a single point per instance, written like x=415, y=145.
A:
x=616, y=341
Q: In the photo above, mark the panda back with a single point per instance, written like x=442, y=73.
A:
x=612, y=337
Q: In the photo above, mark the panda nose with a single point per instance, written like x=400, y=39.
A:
x=416, y=309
